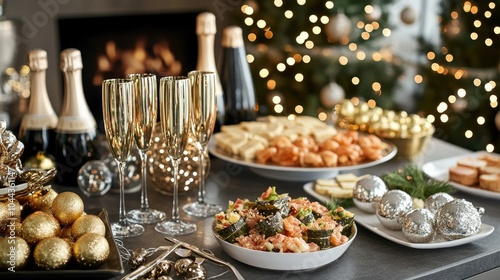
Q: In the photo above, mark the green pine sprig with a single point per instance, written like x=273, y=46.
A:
x=415, y=182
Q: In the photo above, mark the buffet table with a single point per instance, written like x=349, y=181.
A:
x=369, y=257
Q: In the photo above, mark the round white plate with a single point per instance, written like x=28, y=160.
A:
x=439, y=170
x=285, y=261
x=287, y=173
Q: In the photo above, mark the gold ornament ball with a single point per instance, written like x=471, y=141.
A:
x=14, y=228
x=14, y=208
x=38, y=226
x=67, y=207
x=4, y=216
x=52, y=253
x=88, y=223
x=66, y=232
x=14, y=253
x=42, y=199
x=91, y=250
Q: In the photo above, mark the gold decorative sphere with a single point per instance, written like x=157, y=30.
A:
x=4, y=216
x=14, y=253
x=88, y=223
x=40, y=161
x=67, y=207
x=42, y=199
x=38, y=226
x=52, y=253
x=91, y=250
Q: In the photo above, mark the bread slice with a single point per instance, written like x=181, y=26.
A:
x=490, y=169
x=492, y=160
x=490, y=182
x=463, y=175
x=472, y=163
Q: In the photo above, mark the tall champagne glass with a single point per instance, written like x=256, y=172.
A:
x=146, y=101
x=118, y=115
x=203, y=117
x=175, y=125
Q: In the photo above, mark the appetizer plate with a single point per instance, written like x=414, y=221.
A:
x=371, y=222
x=111, y=268
x=438, y=170
x=285, y=261
x=300, y=174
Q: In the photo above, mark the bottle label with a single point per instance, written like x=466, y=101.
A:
x=75, y=125
x=38, y=122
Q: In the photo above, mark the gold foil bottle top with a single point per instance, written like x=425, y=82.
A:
x=205, y=24
x=71, y=60
x=232, y=37
x=37, y=60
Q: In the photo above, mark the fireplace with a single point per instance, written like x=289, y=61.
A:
x=114, y=46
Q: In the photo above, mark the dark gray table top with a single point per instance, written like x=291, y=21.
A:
x=369, y=257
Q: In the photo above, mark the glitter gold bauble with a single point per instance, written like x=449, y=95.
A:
x=52, y=253
x=42, y=199
x=14, y=227
x=38, y=226
x=67, y=207
x=88, y=223
x=91, y=250
x=14, y=208
x=4, y=216
x=41, y=161
x=66, y=232
x=14, y=253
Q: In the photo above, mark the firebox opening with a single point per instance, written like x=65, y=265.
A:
x=114, y=46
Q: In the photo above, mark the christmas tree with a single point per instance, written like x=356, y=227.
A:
x=306, y=56
x=461, y=75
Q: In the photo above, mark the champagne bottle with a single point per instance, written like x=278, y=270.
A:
x=205, y=30
x=76, y=128
x=36, y=130
x=236, y=78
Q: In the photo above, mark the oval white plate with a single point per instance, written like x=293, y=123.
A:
x=287, y=173
x=285, y=261
x=371, y=222
x=438, y=170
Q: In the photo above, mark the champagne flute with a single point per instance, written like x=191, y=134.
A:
x=203, y=116
x=144, y=125
x=175, y=125
x=118, y=115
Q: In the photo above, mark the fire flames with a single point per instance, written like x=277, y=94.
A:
x=156, y=58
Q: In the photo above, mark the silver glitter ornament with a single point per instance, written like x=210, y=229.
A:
x=436, y=201
x=196, y=271
x=393, y=205
x=181, y=265
x=458, y=219
x=137, y=258
x=418, y=225
x=367, y=192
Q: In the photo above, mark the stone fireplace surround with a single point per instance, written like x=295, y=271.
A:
x=40, y=23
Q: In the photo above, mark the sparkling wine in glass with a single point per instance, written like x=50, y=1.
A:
x=175, y=126
x=203, y=118
x=118, y=115
x=146, y=101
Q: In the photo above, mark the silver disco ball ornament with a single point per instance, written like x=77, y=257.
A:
x=392, y=207
x=367, y=192
x=458, y=219
x=418, y=225
x=436, y=201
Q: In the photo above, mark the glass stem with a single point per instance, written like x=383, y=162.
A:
x=201, y=190
x=175, y=205
x=122, y=215
x=144, y=189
